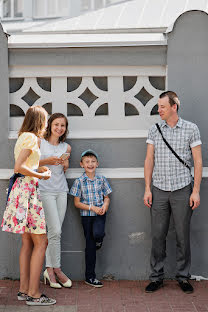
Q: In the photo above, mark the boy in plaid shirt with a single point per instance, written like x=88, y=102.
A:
x=90, y=193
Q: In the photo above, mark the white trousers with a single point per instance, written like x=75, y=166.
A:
x=54, y=205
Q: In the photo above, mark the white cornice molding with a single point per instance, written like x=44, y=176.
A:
x=85, y=71
x=19, y=41
x=110, y=173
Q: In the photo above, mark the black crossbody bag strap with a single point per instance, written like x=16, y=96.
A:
x=172, y=150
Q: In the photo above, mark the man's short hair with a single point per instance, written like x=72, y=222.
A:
x=172, y=96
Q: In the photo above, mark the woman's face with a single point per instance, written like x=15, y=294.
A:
x=58, y=127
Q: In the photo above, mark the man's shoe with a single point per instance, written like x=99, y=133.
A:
x=153, y=286
x=93, y=282
x=186, y=286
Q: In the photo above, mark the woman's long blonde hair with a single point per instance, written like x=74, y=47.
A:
x=34, y=121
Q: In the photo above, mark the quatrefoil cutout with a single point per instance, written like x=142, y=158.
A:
x=30, y=97
x=88, y=97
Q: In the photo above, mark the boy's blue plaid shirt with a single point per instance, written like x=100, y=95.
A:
x=90, y=192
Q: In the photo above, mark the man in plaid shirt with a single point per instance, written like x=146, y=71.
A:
x=172, y=192
x=90, y=193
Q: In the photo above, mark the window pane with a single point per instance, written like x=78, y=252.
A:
x=86, y=5
x=6, y=8
x=113, y=1
x=63, y=7
x=52, y=8
x=39, y=8
x=98, y=4
x=18, y=8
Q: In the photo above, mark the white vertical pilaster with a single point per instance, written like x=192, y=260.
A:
x=59, y=95
x=116, y=100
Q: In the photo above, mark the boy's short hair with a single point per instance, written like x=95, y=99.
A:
x=89, y=152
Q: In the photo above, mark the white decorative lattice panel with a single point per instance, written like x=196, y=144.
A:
x=104, y=102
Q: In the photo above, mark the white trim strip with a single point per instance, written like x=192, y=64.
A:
x=111, y=173
x=85, y=71
x=102, y=134
x=73, y=173
x=49, y=40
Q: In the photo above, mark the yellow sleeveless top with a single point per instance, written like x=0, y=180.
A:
x=28, y=140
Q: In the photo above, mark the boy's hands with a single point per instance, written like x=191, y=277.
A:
x=96, y=209
x=100, y=211
x=104, y=209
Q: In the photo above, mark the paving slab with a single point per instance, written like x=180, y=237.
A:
x=115, y=296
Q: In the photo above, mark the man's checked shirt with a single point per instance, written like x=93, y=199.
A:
x=90, y=192
x=169, y=173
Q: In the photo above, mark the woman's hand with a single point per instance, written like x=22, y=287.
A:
x=42, y=169
x=53, y=160
x=46, y=172
x=65, y=165
x=46, y=175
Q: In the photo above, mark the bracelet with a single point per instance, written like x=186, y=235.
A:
x=90, y=207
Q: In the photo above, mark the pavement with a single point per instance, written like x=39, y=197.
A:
x=115, y=296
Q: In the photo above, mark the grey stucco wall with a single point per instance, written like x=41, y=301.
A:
x=113, y=153
x=4, y=100
x=126, y=248
x=140, y=56
x=4, y=142
x=187, y=60
x=187, y=56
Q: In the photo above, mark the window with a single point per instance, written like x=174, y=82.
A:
x=88, y=5
x=50, y=8
x=12, y=9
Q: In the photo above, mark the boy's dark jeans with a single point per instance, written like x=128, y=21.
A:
x=94, y=231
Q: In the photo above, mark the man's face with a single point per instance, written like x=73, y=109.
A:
x=165, y=110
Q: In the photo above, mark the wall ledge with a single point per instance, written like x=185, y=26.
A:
x=111, y=173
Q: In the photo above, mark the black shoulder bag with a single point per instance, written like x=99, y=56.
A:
x=172, y=150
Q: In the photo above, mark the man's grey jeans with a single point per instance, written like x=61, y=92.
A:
x=164, y=204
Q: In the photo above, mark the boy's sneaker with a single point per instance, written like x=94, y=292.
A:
x=98, y=245
x=93, y=282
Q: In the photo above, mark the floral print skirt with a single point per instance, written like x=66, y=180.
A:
x=24, y=211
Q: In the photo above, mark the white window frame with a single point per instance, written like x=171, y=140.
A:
x=46, y=15
x=92, y=4
x=12, y=17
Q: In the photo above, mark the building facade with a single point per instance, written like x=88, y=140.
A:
x=105, y=71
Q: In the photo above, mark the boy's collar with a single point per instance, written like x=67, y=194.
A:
x=85, y=177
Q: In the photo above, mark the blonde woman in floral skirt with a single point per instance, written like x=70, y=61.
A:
x=24, y=213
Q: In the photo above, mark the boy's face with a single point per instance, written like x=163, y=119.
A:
x=89, y=163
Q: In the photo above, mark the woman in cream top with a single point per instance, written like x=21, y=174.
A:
x=24, y=212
